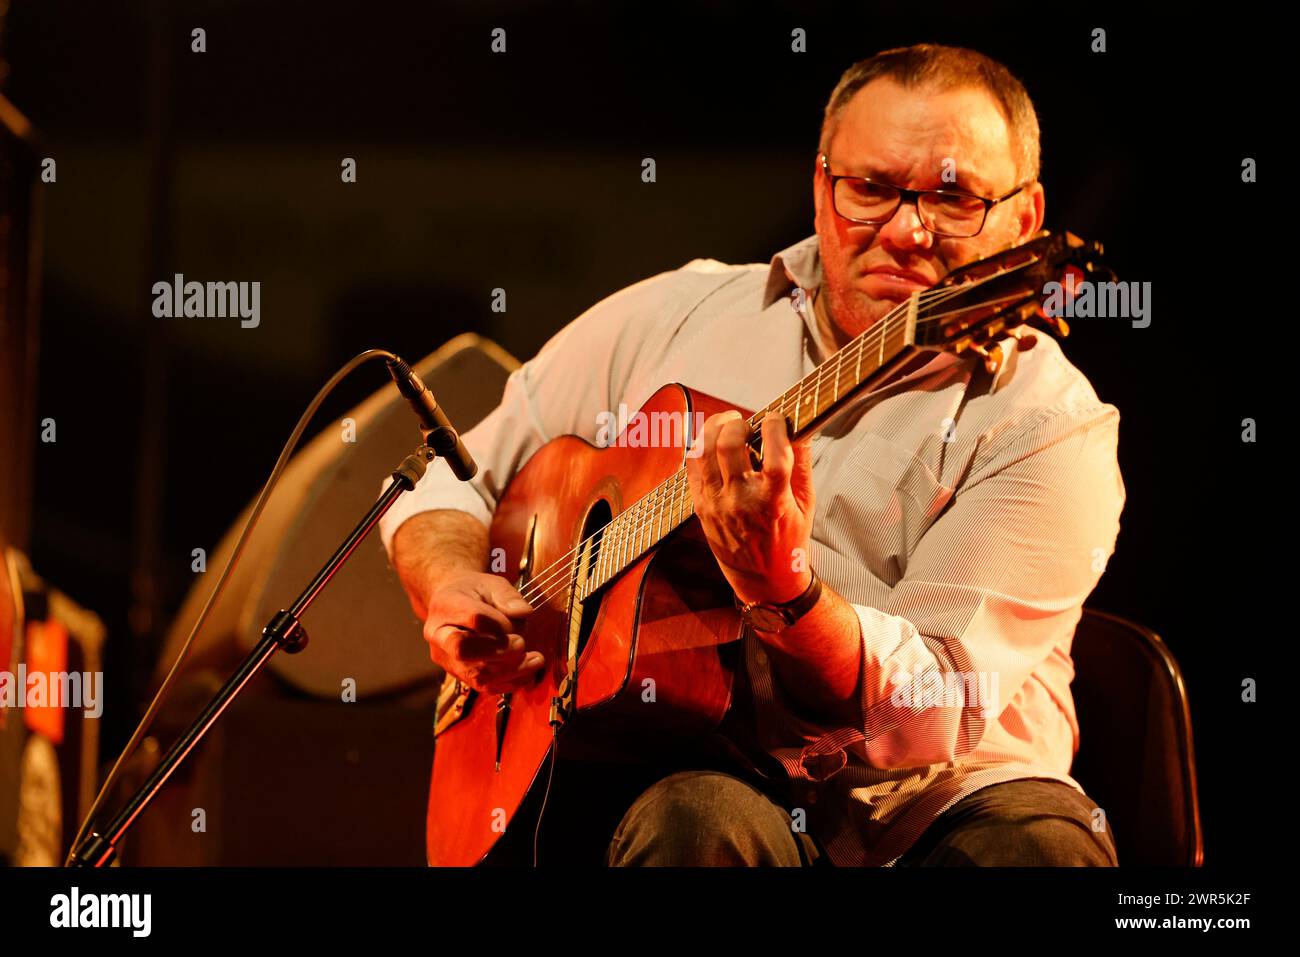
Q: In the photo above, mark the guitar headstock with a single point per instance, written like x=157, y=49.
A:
x=981, y=302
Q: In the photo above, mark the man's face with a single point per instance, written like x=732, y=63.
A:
x=908, y=137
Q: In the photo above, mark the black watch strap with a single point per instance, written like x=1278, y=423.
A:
x=772, y=618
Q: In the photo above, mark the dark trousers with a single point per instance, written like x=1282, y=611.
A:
x=709, y=818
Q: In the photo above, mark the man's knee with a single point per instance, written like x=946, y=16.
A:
x=1046, y=841
x=704, y=818
x=1028, y=823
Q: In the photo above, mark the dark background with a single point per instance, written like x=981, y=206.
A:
x=522, y=171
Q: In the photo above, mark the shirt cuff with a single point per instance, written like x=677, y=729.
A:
x=438, y=489
x=890, y=646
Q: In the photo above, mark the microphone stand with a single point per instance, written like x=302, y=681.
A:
x=284, y=632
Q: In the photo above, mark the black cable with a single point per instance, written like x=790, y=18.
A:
x=249, y=525
x=555, y=747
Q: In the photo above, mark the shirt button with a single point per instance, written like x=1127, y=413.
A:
x=811, y=797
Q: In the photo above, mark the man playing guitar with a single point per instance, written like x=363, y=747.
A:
x=911, y=577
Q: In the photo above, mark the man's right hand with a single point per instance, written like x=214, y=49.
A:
x=474, y=629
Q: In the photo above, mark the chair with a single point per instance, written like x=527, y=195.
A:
x=1135, y=752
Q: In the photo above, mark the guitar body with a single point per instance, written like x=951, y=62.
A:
x=659, y=643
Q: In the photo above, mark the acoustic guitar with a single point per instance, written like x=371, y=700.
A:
x=639, y=629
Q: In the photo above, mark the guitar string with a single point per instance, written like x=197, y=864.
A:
x=560, y=571
x=556, y=577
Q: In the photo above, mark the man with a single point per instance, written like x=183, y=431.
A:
x=955, y=520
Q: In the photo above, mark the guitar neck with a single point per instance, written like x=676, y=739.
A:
x=807, y=405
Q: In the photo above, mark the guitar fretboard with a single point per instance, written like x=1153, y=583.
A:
x=807, y=404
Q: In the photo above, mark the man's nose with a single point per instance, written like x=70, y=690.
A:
x=905, y=230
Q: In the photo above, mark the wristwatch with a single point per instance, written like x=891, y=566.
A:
x=774, y=619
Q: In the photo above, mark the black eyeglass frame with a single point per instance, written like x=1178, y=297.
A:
x=913, y=196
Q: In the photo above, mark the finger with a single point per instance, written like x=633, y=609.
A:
x=474, y=647
x=499, y=593
x=521, y=675
x=801, y=478
x=732, y=449
x=778, y=454
x=498, y=669
x=453, y=640
x=710, y=476
x=479, y=616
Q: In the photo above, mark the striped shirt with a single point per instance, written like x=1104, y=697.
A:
x=965, y=516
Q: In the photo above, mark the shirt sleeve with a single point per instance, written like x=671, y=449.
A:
x=582, y=370
x=992, y=588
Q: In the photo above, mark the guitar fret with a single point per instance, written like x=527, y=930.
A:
x=666, y=506
x=633, y=529
x=622, y=540
x=659, y=513
x=647, y=515
x=635, y=549
x=815, y=398
x=646, y=522
x=629, y=536
x=610, y=543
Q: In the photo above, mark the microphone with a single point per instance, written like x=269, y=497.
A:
x=440, y=435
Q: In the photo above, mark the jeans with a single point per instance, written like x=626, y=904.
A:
x=708, y=818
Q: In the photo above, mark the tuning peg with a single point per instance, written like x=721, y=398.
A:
x=1059, y=325
x=1024, y=336
x=992, y=356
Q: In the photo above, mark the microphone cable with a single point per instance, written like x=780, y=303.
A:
x=251, y=523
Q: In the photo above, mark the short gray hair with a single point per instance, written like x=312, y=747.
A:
x=944, y=68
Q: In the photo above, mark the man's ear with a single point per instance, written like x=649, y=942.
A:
x=1030, y=211
x=819, y=184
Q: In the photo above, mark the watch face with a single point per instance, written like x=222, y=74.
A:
x=765, y=619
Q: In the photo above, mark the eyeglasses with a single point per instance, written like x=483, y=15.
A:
x=944, y=212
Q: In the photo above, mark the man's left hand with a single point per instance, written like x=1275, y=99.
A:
x=757, y=523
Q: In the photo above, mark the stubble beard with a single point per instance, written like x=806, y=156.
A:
x=852, y=311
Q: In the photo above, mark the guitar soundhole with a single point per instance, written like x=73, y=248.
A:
x=599, y=516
